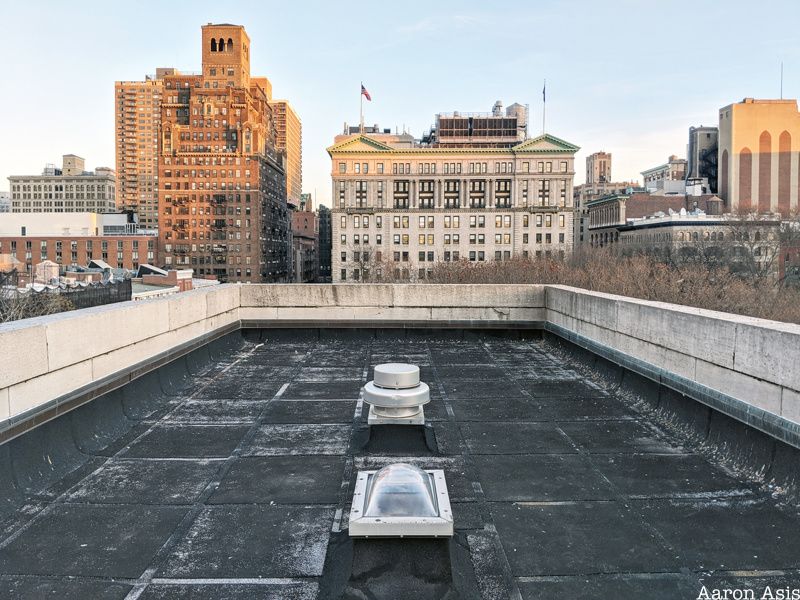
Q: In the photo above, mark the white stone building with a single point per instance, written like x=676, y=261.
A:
x=400, y=205
x=68, y=189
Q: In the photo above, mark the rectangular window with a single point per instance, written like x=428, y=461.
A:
x=342, y=169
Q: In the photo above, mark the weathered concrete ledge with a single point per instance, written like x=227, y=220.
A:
x=746, y=368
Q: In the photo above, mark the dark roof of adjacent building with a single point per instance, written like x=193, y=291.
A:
x=229, y=473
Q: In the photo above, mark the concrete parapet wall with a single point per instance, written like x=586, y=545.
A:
x=51, y=357
x=745, y=367
x=388, y=304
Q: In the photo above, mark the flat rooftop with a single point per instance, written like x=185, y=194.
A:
x=235, y=481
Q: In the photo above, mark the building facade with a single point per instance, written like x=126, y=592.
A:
x=400, y=206
x=75, y=239
x=289, y=141
x=325, y=242
x=759, y=156
x=598, y=168
x=701, y=152
x=305, y=242
x=221, y=181
x=668, y=178
x=608, y=215
x=137, y=109
x=68, y=189
x=5, y=202
x=598, y=183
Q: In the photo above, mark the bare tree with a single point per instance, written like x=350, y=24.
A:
x=15, y=305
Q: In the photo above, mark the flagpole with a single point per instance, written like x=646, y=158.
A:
x=361, y=109
x=544, y=104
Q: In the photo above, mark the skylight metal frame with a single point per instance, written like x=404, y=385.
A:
x=399, y=527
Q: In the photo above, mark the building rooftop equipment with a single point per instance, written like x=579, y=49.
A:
x=396, y=396
x=401, y=500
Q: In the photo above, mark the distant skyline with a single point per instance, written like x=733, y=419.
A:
x=626, y=77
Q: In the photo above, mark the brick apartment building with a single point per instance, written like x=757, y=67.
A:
x=75, y=239
x=222, y=184
x=305, y=242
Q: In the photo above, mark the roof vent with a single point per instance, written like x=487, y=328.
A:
x=396, y=395
x=401, y=500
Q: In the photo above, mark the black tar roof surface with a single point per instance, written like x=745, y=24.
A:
x=239, y=485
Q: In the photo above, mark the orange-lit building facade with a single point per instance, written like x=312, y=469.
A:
x=759, y=156
x=222, y=183
x=137, y=110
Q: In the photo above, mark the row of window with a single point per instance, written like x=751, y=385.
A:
x=364, y=272
x=207, y=161
x=454, y=238
x=453, y=168
x=450, y=221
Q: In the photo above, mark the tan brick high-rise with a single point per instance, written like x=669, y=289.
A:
x=290, y=141
x=222, y=185
x=137, y=109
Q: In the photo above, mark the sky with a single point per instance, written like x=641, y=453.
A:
x=627, y=77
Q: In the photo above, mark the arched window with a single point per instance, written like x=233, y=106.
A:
x=221, y=45
x=757, y=237
x=230, y=45
x=764, y=172
x=213, y=45
x=721, y=236
x=746, y=180
x=695, y=236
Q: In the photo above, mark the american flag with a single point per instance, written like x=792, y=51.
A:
x=365, y=93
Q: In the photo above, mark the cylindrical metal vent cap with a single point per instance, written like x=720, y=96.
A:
x=396, y=376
